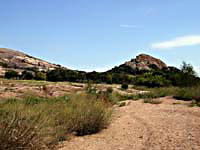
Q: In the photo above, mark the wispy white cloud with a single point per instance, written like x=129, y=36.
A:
x=127, y=26
x=178, y=42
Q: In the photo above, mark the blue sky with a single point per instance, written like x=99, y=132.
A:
x=100, y=34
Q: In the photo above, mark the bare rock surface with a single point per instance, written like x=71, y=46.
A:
x=18, y=61
x=146, y=62
x=141, y=126
x=21, y=88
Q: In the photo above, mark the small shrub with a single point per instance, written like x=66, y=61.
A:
x=20, y=132
x=124, y=86
x=40, y=76
x=90, y=89
x=194, y=103
x=87, y=115
x=109, y=90
x=26, y=75
x=5, y=65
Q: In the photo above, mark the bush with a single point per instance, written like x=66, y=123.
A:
x=124, y=86
x=40, y=76
x=26, y=75
x=87, y=115
x=11, y=74
x=151, y=80
x=56, y=75
x=110, y=90
x=195, y=103
x=5, y=65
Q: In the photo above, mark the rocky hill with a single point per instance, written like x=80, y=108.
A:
x=146, y=62
x=18, y=61
x=142, y=63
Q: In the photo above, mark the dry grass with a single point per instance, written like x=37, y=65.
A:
x=41, y=123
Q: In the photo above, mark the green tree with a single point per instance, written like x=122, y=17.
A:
x=188, y=69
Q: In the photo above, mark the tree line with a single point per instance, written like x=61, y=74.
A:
x=186, y=76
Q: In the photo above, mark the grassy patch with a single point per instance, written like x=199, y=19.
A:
x=145, y=95
x=40, y=123
x=192, y=93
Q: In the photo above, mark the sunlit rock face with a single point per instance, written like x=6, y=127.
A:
x=18, y=61
x=146, y=62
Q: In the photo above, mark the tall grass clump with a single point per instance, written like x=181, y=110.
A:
x=41, y=123
x=189, y=93
x=87, y=115
x=20, y=132
x=164, y=91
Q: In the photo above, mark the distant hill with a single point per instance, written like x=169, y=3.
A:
x=142, y=63
x=18, y=61
x=143, y=70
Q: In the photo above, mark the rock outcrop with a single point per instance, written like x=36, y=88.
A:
x=146, y=62
x=141, y=64
x=18, y=61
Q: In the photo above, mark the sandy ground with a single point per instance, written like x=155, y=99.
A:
x=143, y=126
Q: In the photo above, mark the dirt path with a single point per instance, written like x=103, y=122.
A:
x=141, y=126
